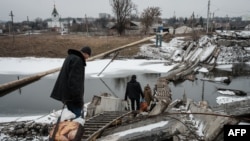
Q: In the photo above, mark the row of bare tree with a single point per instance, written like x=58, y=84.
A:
x=123, y=10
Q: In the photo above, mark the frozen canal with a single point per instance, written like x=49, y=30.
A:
x=35, y=98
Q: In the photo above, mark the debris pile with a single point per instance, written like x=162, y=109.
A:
x=25, y=130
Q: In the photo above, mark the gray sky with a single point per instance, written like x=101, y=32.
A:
x=78, y=8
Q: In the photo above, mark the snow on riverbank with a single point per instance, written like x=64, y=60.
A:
x=31, y=65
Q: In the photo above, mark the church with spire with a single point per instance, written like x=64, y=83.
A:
x=55, y=24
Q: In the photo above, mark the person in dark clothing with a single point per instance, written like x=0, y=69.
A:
x=69, y=86
x=133, y=92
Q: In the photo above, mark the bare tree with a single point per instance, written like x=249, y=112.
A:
x=149, y=16
x=122, y=10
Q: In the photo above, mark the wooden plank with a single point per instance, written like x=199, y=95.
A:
x=13, y=85
x=123, y=47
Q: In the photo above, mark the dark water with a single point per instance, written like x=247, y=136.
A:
x=35, y=98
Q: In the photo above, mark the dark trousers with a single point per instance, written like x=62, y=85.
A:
x=75, y=109
x=133, y=100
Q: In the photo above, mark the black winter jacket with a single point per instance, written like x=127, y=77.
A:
x=133, y=90
x=69, y=86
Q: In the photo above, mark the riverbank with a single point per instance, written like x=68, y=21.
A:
x=56, y=45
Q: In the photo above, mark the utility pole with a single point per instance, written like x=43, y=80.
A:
x=28, y=22
x=12, y=25
x=87, y=24
x=227, y=25
x=192, y=20
x=208, y=12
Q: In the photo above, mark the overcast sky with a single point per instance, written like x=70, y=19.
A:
x=78, y=8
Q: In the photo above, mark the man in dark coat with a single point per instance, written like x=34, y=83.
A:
x=133, y=92
x=69, y=86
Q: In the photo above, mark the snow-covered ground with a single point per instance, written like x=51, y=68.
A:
x=31, y=65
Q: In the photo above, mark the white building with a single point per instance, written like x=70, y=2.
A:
x=55, y=23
